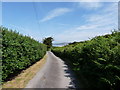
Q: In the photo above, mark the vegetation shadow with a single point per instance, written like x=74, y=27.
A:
x=74, y=84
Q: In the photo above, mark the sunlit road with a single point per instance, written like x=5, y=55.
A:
x=54, y=74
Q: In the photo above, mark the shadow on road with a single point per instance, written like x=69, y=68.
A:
x=69, y=74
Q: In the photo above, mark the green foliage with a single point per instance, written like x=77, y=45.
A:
x=18, y=52
x=97, y=60
x=48, y=42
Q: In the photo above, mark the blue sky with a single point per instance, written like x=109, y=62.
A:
x=64, y=21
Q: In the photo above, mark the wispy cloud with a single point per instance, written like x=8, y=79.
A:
x=87, y=27
x=90, y=5
x=55, y=13
x=100, y=23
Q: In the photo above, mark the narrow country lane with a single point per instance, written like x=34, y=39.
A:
x=54, y=74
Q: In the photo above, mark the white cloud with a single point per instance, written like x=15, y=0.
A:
x=90, y=5
x=94, y=4
x=107, y=16
x=54, y=13
x=76, y=35
x=86, y=27
x=100, y=23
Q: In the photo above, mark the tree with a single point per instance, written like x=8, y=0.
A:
x=48, y=42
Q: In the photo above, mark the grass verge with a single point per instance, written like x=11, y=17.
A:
x=23, y=78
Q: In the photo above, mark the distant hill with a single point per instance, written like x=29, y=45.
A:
x=60, y=44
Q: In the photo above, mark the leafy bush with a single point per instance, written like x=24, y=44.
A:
x=97, y=60
x=18, y=52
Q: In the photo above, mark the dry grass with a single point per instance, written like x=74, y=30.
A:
x=23, y=78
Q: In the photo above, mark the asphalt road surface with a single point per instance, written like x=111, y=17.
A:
x=54, y=74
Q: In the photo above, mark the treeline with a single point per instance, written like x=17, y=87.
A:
x=97, y=61
x=18, y=52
